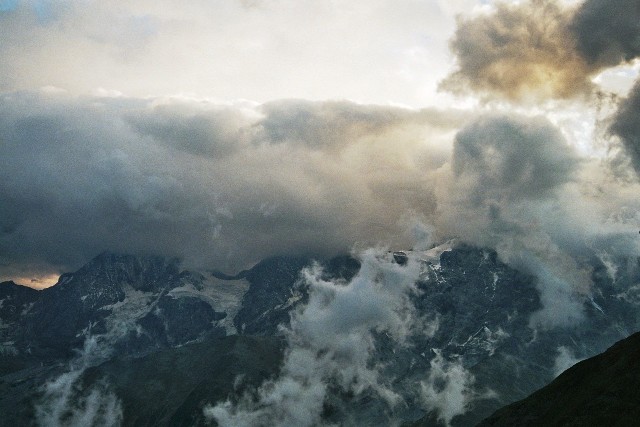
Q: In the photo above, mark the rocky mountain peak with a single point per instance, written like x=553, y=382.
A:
x=143, y=273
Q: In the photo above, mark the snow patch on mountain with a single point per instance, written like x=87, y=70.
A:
x=223, y=295
x=125, y=314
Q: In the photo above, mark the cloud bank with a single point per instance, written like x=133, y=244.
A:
x=225, y=185
x=217, y=185
x=607, y=32
x=448, y=389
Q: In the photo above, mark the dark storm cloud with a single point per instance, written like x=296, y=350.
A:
x=77, y=181
x=507, y=172
x=507, y=159
x=608, y=32
x=539, y=49
x=517, y=51
x=220, y=186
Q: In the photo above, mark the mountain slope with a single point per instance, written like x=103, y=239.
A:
x=602, y=390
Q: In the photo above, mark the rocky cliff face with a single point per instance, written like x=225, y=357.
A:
x=124, y=297
x=485, y=310
x=271, y=295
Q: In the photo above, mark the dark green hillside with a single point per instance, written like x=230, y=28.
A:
x=601, y=391
x=171, y=387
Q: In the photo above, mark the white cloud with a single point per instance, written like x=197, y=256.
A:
x=564, y=360
x=331, y=344
x=449, y=389
x=64, y=402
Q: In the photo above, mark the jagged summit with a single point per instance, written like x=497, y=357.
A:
x=140, y=272
x=127, y=297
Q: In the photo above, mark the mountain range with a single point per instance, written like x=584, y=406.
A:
x=447, y=338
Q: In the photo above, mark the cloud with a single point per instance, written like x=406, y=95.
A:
x=518, y=51
x=625, y=125
x=65, y=403
x=217, y=185
x=560, y=290
x=324, y=125
x=449, y=389
x=239, y=49
x=510, y=158
x=607, y=32
x=330, y=345
x=225, y=185
x=564, y=360
x=538, y=50
x=199, y=129
x=541, y=49
x=505, y=171
x=61, y=406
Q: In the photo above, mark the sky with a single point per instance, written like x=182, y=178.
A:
x=225, y=131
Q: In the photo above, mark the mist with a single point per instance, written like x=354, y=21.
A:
x=330, y=344
x=64, y=402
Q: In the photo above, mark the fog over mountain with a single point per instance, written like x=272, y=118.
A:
x=220, y=186
x=214, y=138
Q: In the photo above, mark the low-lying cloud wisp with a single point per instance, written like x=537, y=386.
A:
x=331, y=341
x=65, y=403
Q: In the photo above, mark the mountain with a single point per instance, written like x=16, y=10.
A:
x=141, y=302
x=14, y=299
x=602, y=390
x=119, y=333
x=270, y=296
